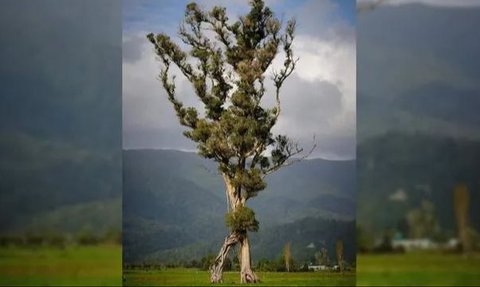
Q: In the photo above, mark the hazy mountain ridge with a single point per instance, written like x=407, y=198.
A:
x=418, y=167
x=174, y=203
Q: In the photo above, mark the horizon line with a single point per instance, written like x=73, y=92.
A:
x=195, y=151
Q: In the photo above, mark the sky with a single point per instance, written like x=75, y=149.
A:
x=60, y=104
x=317, y=100
x=418, y=68
x=434, y=3
x=61, y=71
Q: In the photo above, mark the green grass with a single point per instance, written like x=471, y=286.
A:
x=194, y=277
x=420, y=268
x=73, y=265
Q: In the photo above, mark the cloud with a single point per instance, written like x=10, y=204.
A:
x=318, y=99
x=405, y=46
x=60, y=81
x=408, y=52
x=438, y=3
x=332, y=61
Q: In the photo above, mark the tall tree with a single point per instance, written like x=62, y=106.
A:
x=422, y=222
x=339, y=250
x=322, y=257
x=461, y=200
x=226, y=65
x=287, y=256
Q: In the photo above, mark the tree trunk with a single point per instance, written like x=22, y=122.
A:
x=216, y=270
x=246, y=273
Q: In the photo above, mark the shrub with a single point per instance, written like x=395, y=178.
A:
x=242, y=219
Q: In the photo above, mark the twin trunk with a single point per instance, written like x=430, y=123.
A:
x=246, y=273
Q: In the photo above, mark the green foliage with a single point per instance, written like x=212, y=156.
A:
x=277, y=265
x=86, y=236
x=227, y=73
x=251, y=180
x=228, y=265
x=422, y=221
x=266, y=265
x=424, y=167
x=242, y=219
x=77, y=184
x=365, y=240
x=207, y=261
x=156, y=228
x=322, y=258
x=235, y=263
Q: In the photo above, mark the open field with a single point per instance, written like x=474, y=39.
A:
x=194, y=277
x=73, y=265
x=420, y=268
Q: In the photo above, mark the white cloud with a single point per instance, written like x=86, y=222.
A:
x=333, y=61
x=320, y=97
x=145, y=104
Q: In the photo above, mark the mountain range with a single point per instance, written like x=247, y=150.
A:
x=174, y=205
x=397, y=171
x=418, y=129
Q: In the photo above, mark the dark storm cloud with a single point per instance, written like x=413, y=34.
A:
x=61, y=71
x=419, y=35
x=60, y=106
x=404, y=52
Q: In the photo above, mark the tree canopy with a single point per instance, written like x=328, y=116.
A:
x=226, y=65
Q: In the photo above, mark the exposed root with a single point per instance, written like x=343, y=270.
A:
x=248, y=276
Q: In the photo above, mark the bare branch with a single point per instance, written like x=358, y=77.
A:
x=291, y=162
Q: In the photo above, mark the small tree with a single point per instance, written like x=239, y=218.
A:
x=287, y=256
x=461, y=200
x=422, y=222
x=339, y=250
x=322, y=257
x=227, y=72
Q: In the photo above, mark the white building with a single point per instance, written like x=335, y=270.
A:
x=414, y=244
x=318, y=267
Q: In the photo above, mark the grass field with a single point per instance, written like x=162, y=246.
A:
x=73, y=265
x=409, y=269
x=101, y=265
x=194, y=277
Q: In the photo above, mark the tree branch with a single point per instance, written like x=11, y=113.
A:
x=285, y=162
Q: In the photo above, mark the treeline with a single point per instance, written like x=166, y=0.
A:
x=61, y=240
x=398, y=173
x=262, y=265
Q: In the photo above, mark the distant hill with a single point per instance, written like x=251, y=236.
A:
x=307, y=236
x=433, y=109
x=174, y=206
x=418, y=125
x=396, y=171
x=54, y=186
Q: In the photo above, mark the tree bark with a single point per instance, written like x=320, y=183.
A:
x=246, y=273
x=216, y=270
